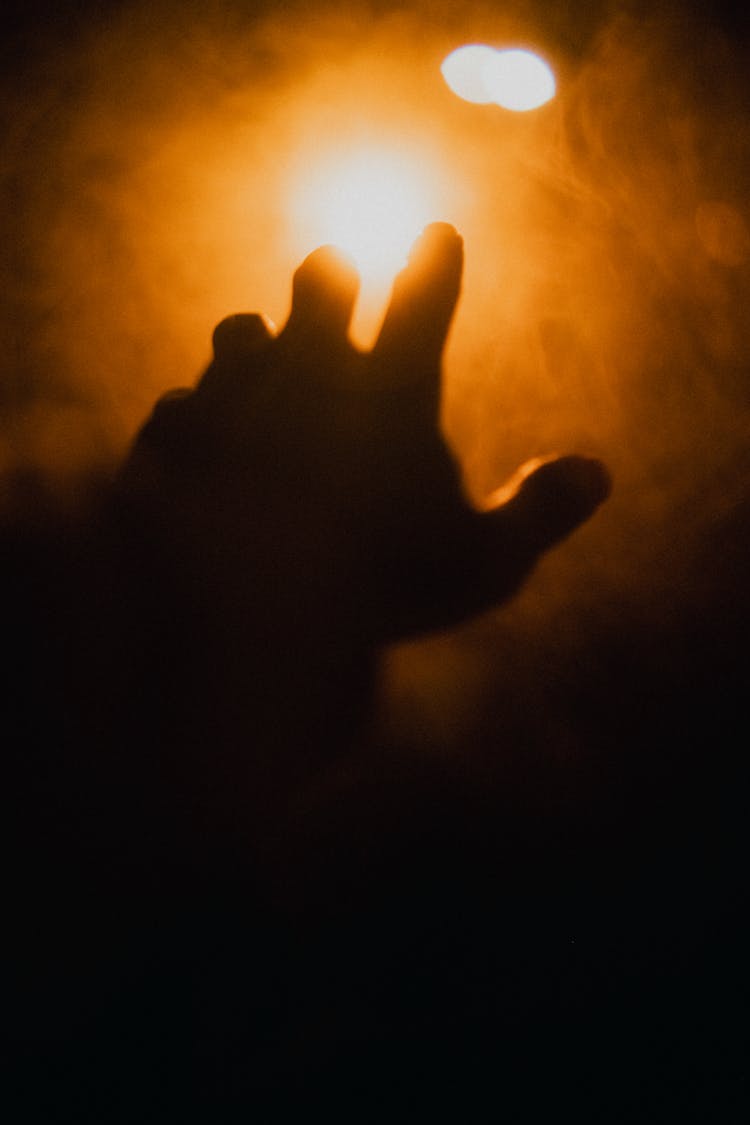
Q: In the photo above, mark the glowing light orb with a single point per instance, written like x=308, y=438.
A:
x=463, y=70
x=371, y=202
x=519, y=80
x=514, y=79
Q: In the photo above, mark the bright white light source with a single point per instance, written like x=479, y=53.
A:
x=463, y=70
x=518, y=80
x=514, y=79
x=371, y=202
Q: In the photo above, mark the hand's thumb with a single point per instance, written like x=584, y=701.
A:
x=546, y=500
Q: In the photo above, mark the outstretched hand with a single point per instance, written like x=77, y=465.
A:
x=305, y=483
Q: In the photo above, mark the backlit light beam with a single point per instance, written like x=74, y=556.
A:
x=370, y=202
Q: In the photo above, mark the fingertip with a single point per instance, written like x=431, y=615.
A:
x=567, y=489
x=549, y=497
x=439, y=242
x=439, y=232
x=591, y=478
x=240, y=333
x=328, y=265
x=324, y=289
x=587, y=477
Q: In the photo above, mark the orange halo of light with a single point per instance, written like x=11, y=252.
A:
x=371, y=199
x=371, y=202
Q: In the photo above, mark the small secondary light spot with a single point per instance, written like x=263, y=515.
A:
x=512, y=78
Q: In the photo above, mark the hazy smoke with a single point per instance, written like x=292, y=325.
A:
x=608, y=244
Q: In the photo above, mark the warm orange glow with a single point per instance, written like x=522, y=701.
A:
x=371, y=203
x=723, y=233
x=514, y=79
x=371, y=200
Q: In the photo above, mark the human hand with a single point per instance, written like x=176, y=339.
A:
x=304, y=486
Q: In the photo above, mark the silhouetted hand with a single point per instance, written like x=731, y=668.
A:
x=207, y=646
x=304, y=486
